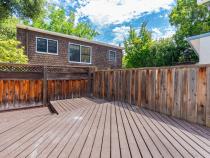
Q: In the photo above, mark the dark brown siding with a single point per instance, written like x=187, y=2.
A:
x=99, y=53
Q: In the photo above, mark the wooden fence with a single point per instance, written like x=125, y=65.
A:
x=183, y=92
x=24, y=86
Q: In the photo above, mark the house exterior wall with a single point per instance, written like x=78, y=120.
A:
x=100, y=53
x=204, y=53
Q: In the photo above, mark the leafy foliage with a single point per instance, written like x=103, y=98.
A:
x=11, y=52
x=53, y=20
x=56, y=20
x=21, y=8
x=142, y=51
x=137, y=47
x=8, y=28
x=188, y=18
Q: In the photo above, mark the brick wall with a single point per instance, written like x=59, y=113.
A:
x=99, y=53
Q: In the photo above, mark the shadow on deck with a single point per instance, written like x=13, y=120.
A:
x=96, y=128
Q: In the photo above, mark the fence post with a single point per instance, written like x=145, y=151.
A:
x=89, y=94
x=90, y=81
x=45, y=88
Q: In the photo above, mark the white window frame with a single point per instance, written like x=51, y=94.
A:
x=110, y=55
x=80, y=45
x=47, y=46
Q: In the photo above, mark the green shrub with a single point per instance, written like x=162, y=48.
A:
x=12, y=52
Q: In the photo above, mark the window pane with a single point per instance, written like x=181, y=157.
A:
x=41, y=45
x=112, y=56
x=52, y=46
x=74, y=52
x=85, y=54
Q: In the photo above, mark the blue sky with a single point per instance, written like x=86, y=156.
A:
x=112, y=18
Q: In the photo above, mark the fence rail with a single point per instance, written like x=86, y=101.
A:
x=183, y=92
x=35, y=85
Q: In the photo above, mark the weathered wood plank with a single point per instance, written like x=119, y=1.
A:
x=208, y=99
x=201, y=95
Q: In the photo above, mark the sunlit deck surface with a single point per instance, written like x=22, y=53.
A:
x=95, y=128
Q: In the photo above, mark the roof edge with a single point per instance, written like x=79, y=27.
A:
x=198, y=36
x=25, y=27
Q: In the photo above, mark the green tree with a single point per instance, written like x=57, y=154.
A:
x=142, y=51
x=165, y=52
x=21, y=8
x=189, y=19
x=55, y=19
x=11, y=52
x=10, y=49
x=8, y=28
x=137, y=48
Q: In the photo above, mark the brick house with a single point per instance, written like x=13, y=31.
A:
x=52, y=48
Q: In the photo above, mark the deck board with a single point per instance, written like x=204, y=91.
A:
x=99, y=129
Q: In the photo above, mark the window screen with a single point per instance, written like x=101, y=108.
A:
x=52, y=46
x=41, y=45
x=74, y=52
x=85, y=54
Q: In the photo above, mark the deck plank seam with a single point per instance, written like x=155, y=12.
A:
x=76, y=129
x=43, y=136
x=131, y=128
x=125, y=131
x=147, y=132
x=90, y=129
x=126, y=106
x=69, y=127
x=181, y=137
x=85, y=127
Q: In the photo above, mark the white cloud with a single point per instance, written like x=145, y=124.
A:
x=120, y=33
x=164, y=16
x=105, y=12
x=165, y=33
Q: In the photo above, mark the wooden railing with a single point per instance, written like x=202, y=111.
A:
x=183, y=92
x=24, y=86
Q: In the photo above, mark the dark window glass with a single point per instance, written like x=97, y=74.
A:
x=52, y=46
x=41, y=45
x=112, y=56
x=85, y=54
x=74, y=52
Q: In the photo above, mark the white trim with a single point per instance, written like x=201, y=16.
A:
x=47, y=46
x=67, y=36
x=115, y=59
x=80, y=53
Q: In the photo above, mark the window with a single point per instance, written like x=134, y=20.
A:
x=52, y=46
x=112, y=55
x=44, y=45
x=85, y=54
x=41, y=45
x=74, y=53
x=79, y=53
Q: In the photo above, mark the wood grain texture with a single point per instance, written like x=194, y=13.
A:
x=182, y=92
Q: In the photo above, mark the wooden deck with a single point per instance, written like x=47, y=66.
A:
x=95, y=128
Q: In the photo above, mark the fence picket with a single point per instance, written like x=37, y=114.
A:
x=183, y=92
